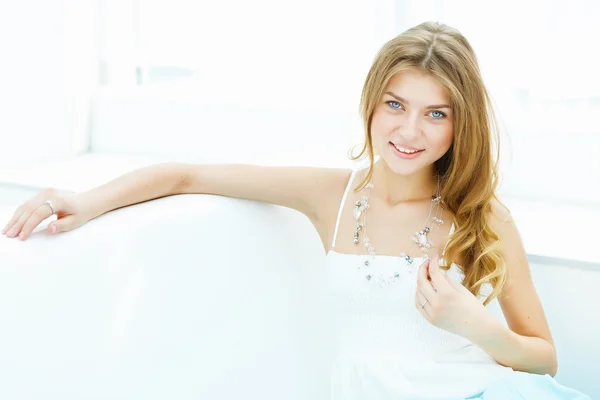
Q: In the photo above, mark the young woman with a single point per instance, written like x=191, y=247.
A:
x=417, y=244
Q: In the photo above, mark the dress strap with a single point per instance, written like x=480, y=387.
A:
x=337, y=222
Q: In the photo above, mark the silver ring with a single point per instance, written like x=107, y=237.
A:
x=49, y=202
x=423, y=305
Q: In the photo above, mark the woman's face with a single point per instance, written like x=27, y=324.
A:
x=412, y=126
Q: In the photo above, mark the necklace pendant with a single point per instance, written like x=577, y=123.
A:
x=421, y=239
x=360, y=207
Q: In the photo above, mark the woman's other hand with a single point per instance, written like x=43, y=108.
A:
x=446, y=303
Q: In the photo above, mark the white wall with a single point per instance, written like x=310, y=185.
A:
x=143, y=122
x=47, y=74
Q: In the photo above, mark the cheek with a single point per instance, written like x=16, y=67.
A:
x=381, y=124
x=441, y=139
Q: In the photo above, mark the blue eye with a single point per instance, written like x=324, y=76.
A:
x=437, y=114
x=394, y=104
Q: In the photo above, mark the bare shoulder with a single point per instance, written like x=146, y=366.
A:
x=510, y=243
x=499, y=213
x=325, y=187
x=501, y=221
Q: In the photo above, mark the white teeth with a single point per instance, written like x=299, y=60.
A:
x=403, y=150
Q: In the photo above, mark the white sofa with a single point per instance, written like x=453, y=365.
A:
x=205, y=297
x=186, y=297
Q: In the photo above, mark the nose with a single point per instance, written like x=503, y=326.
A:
x=410, y=128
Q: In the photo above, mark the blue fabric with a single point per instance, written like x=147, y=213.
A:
x=524, y=386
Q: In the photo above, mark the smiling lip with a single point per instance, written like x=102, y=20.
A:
x=406, y=152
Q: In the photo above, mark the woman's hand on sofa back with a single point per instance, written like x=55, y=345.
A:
x=69, y=208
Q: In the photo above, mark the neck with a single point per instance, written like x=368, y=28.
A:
x=394, y=188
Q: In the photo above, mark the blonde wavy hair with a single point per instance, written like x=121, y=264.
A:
x=468, y=172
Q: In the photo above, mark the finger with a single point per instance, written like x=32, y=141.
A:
x=422, y=304
x=22, y=214
x=438, y=278
x=12, y=221
x=428, y=291
x=423, y=284
x=36, y=218
x=16, y=228
x=422, y=272
x=63, y=224
x=31, y=219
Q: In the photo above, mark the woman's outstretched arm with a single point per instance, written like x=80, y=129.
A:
x=306, y=189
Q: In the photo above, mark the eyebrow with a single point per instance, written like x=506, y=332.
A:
x=428, y=107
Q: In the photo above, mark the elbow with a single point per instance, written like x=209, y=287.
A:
x=546, y=362
x=551, y=367
x=553, y=370
x=554, y=365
